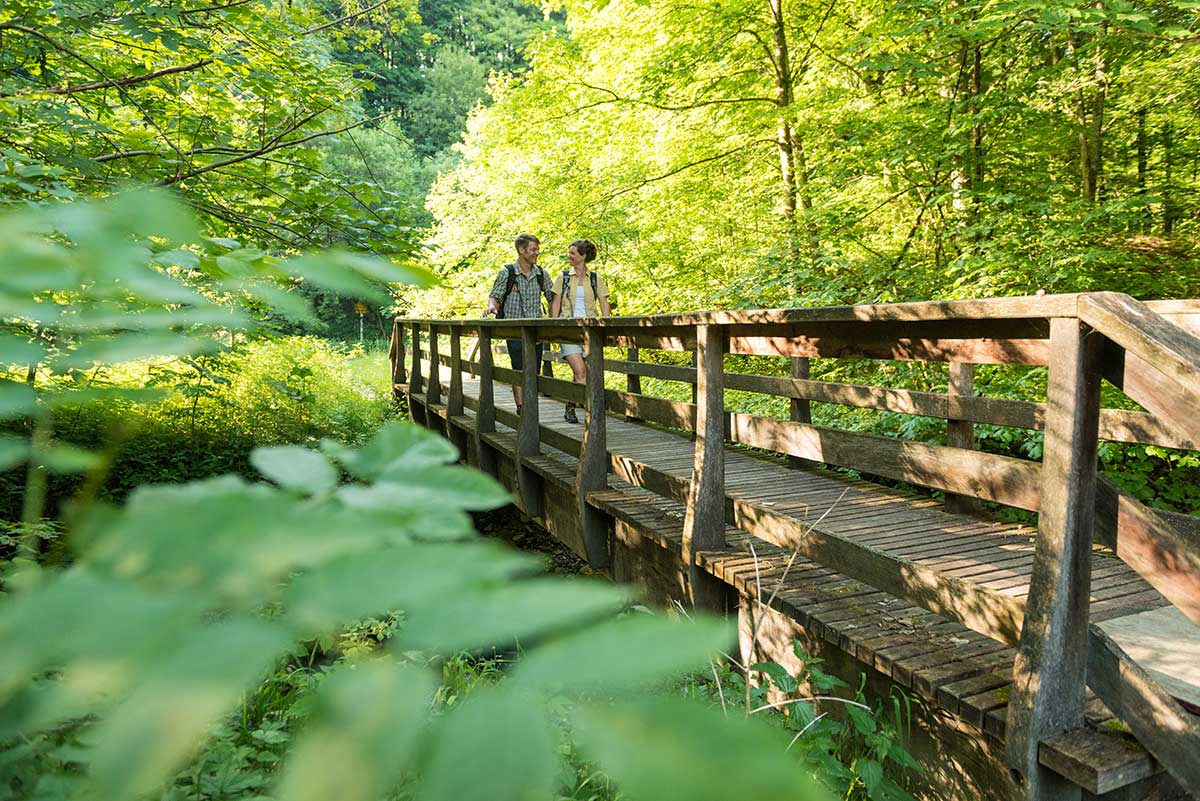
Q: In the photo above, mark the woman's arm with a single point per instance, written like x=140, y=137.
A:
x=555, y=302
x=604, y=307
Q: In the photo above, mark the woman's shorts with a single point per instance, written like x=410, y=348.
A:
x=568, y=349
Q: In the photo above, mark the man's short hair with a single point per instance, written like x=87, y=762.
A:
x=525, y=240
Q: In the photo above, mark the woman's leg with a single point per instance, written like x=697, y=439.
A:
x=576, y=362
x=580, y=375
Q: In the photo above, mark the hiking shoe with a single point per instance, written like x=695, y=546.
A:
x=569, y=414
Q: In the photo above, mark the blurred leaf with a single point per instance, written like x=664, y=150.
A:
x=16, y=350
x=13, y=451
x=294, y=467
x=624, y=653
x=665, y=749
x=507, y=613
x=356, y=275
x=132, y=346
x=412, y=446
x=453, y=486
x=394, y=578
x=512, y=730
x=66, y=459
x=366, y=723
x=16, y=399
x=291, y=305
x=158, y=726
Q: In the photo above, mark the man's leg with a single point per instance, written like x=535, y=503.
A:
x=516, y=358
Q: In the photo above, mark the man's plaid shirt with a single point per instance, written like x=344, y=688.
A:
x=525, y=299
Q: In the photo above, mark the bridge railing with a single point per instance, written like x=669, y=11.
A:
x=1149, y=350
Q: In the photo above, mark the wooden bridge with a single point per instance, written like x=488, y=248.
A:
x=1056, y=662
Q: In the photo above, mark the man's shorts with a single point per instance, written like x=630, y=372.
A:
x=516, y=353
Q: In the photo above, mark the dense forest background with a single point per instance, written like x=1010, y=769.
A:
x=764, y=152
x=740, y=153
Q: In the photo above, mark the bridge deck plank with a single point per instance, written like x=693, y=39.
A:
x=953, y=667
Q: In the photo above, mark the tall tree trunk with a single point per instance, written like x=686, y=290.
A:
x=1143, y=164
x=1168, y=151
x=1142, y=155
x=1090, y=116
x=977, y=167
x=781, y=66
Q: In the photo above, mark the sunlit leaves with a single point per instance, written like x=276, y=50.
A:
x=225, y=103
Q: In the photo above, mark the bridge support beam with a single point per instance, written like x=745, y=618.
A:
x=415, y=409
x=961, y=433
x=1049, y=676
x=593, y=456
x=704, y=522
x=454, y=397
x=485, y=417
x=433, y=386
x=800, y=408
x=529, y=427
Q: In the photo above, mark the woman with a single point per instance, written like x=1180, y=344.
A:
x=588, y=298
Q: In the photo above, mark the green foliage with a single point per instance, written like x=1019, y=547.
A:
x=297, y=625
x=651, y=128
x=225, y=102
x=145, y=665
x=857, y=751
x=88, y=285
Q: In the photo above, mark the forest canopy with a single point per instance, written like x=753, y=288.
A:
x=755, y=153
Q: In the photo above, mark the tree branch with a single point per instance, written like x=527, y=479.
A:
x=130, y=81
x=13, y=26
x=668, y=174
x=721, y=101
x=271, y=146
x=346, y=18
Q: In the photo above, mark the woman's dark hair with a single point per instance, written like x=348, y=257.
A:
x=586, y=249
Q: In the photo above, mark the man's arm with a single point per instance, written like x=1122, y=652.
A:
x=493, y=304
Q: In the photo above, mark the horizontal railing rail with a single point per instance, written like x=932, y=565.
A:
x=1148, y=350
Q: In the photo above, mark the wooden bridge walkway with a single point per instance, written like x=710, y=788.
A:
x=996, y=626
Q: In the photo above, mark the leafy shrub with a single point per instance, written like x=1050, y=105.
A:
x=161, y=628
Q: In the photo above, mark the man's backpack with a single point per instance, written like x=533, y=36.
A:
x=566, y=292
x=512, y=284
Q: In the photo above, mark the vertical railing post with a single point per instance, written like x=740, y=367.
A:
x=696, y=385
x=415, y=409
x=800, y=408
x=397, y=356
x=433, y=391
x=593, y=456
x=414, y=381
x=633, y=382
x=529, y=427
x=454, y=398
x=704, y=522
x=485, y=416
x=1050, y=669
x=961, y=433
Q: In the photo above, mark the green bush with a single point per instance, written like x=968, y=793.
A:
x=207, y=412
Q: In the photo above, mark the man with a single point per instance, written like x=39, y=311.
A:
x=517, y=292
